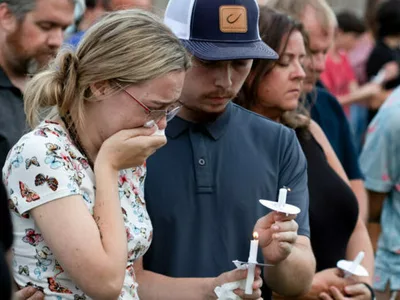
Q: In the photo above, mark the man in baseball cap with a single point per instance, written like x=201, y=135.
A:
x=218, y=30
x=203, y=187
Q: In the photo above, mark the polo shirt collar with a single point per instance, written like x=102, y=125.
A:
x=4, y=80
x=215, y=129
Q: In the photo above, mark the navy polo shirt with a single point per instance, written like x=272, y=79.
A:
x=12, y=116
x=328, y=113
x=202, y=190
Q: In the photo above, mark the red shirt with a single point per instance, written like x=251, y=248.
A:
x=338, y=75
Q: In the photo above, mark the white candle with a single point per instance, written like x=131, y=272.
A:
x=252, y=264
x=282, y=197
x=253, y=251
x=250, y=279
x=357, y=261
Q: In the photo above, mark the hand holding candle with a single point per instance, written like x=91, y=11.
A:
x=353, y=267
x=231, y=285
x=277, y=235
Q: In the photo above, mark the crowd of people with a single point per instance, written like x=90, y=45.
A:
x=135, y=149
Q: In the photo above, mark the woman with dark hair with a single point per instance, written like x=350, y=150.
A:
x=272, y=90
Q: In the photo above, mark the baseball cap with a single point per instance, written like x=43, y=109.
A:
x=218, y=29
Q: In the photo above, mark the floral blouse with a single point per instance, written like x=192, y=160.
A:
x=44, y=166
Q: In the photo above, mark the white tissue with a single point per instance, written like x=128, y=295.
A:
x=160, y=132
x=150, y=124
x=225, y=292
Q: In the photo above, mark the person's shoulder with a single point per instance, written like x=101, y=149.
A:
x=319, y=135
x=247, y=118
x=315, y=130
x=322, y=92
x=48, y=137
x=388, y=115
x=261, y=131
x=326, y=99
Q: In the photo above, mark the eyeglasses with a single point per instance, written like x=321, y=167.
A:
x=156, y=114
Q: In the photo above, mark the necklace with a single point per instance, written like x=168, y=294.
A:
x=70, y=126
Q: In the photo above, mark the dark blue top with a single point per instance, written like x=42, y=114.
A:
x=202, y=190
x=74, y=39
x=328, y=113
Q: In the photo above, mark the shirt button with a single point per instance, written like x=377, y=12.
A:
x=202, y=162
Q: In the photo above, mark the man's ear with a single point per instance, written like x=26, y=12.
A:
x=8, y=21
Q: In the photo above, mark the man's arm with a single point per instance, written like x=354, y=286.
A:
x=284, y=239
x=293, y=276
x=375, y=205
x=375, y=209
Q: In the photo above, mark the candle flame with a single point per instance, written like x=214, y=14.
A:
x=255, y=235
x=288, y=189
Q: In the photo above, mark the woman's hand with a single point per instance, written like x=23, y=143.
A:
x=358, y=291
x=327, y=278
x=321, y=284
x=28, y=293
x=237, y=275
x=129, y=148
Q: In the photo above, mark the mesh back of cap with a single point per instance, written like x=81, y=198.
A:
x=178, y=17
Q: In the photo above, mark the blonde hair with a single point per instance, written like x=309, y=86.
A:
x=295, y=9
x=124, y=47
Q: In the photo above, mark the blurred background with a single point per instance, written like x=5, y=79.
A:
x=357, y=6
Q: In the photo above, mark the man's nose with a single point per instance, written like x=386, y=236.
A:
x=223, y=76
x=56, y=38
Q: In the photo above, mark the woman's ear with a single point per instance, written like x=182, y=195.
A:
x=99, y=89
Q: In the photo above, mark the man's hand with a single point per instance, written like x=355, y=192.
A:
x=28, y=293
x=277, y=235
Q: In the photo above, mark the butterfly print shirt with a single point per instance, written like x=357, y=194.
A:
x=45, y=166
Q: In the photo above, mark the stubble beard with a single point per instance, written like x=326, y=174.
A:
x=20, y=61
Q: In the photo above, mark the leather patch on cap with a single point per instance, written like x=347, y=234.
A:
x=233, y=18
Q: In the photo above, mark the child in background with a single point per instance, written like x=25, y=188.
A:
x=339, y=77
